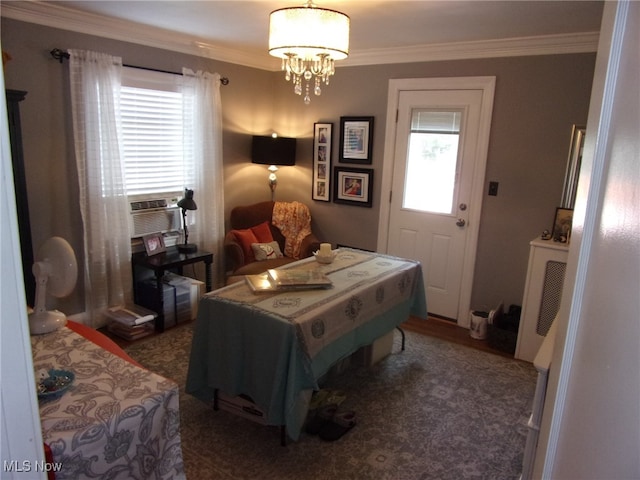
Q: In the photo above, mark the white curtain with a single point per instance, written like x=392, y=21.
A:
x=203, y=143
x=95, y=91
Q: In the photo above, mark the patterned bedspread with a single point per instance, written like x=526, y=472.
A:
x=116, y=420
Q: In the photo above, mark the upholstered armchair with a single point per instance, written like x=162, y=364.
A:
x=255, y=244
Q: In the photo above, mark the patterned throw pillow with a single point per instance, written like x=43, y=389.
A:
x=266, y=251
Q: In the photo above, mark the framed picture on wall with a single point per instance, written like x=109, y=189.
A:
x=356, y=139
x=320, y=187
x=353, y=186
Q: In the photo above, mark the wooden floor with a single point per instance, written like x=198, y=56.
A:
x=448, y=330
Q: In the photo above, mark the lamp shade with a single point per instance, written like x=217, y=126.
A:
x=273, y=150
x=309, y=40
x=307, y=32
x=187, y=201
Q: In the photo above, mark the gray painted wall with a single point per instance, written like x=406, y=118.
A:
x=589, y=428
x=537, y=100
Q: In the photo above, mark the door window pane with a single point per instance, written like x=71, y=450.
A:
x=432, y=161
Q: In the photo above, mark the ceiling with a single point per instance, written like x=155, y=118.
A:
x=381, y=31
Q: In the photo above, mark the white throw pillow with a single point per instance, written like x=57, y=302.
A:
x=266, y=251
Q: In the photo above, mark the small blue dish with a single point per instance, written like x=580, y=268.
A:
x=55, y=384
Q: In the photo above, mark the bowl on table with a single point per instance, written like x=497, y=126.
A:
x=324, y=258
x=55, y=384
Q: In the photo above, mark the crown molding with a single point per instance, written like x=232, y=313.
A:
x=64, y=18
x=57, y=16
x=510, y=47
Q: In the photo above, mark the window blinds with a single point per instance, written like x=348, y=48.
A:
x=434, y=121
x=153, y=131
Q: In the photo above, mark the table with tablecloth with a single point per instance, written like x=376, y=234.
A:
x=274, y=347
x=116, y=420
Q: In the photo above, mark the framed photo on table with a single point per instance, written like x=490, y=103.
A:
x=353, y=186
x=322, y=134
x=562, y=225
x=356, y=139
x=154, y=244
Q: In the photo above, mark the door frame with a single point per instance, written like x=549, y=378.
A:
x=396, y=86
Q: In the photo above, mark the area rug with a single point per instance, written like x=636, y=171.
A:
x=436, y=410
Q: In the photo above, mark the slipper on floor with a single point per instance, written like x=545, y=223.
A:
x=335, y=396
x=339, y=424
x=321, y=418
x=326, y=397
x=319, y=399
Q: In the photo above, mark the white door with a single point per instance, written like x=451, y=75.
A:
x=433, y=210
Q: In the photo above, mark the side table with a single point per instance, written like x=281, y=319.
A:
x=172, y=259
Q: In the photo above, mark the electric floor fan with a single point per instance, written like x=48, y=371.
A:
x=56, y=272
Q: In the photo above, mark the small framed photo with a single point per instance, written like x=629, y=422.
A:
x=154, y=243
x=322, y=133
x=353, y=186
x=356, y=139
x=562, y=225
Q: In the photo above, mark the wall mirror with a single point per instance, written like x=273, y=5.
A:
x=573, y=166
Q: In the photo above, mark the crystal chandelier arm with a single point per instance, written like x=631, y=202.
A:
x=296, y=64
x=319, y=66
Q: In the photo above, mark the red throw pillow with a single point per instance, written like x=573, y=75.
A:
x=101, y=340
x=245, y=238
x=262, y=233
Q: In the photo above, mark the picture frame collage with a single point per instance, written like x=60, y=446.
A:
x=349, y=185
x=322, y=136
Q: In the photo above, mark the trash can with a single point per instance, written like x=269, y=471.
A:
x=503, y=333
x=478, y=325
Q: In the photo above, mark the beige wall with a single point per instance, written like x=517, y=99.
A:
x=537, y=100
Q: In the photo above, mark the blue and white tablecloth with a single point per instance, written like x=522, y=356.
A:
x=274, y=347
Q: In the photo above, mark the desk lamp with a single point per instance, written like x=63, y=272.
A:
x=187, y=203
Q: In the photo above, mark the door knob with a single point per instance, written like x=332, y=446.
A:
x=463, y=206
x=461, y=222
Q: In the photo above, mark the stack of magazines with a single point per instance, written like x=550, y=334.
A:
x=130, y=322
x=275, y=280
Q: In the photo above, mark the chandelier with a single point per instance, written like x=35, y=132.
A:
x=308, y=39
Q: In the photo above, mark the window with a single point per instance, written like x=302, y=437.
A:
x=432, y=161
x=153, y=133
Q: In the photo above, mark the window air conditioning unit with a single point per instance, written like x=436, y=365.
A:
x=153, y=216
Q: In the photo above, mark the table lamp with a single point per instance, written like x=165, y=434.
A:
x=187, y=203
